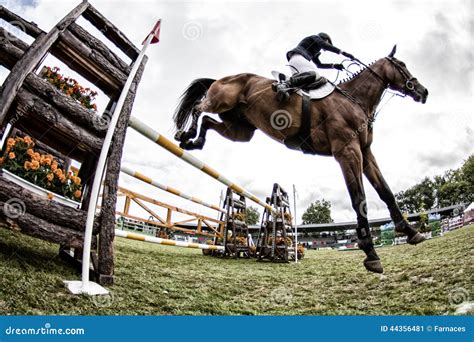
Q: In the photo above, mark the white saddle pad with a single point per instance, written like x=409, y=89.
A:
x=314, y=94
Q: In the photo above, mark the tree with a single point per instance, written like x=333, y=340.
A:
x=453, y=187
x=417, y=198
x=318, y=212
x=252, y=216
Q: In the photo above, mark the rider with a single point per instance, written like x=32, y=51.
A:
x=303, y=60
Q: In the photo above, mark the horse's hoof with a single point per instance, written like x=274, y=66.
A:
x=373, y=266
x=185, y=145
x=416, y=239
x=179, y=136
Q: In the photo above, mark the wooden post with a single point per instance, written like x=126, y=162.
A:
x=126, y=207
x=109, y=199
x=32, y=57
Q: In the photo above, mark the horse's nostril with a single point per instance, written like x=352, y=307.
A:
x=426, y=92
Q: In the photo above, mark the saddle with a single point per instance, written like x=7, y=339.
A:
x=319, y=89
x=316, y=90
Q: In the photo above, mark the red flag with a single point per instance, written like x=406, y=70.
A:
x=155, y=32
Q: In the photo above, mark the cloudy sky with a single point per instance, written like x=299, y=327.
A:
x=218, y=38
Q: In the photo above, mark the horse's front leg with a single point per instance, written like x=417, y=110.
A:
x=373, y=174
x=231, y=130
x=350, y=160
x=191, y=133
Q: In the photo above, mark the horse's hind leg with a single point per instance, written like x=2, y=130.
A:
x=231, y=130
x=373, y=174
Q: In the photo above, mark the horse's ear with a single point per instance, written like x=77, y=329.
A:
x=392, y=53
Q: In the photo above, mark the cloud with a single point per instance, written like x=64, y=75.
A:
x=215, y=39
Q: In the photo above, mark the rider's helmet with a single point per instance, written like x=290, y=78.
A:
x=325, y=37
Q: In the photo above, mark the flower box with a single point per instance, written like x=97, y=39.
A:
x=38, y=190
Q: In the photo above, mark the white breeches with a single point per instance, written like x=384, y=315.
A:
x=299, y=64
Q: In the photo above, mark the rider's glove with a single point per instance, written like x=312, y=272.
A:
x=347, y=54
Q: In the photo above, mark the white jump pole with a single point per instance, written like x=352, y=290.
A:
x=171, y=147
x=85, y=286
x=171, y=190
x=296, y=224
x=167, y=242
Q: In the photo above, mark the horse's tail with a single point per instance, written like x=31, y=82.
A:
x=195, y=92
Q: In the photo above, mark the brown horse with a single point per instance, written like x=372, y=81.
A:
x=340, y=126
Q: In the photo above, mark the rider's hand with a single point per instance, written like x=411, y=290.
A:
x=338, y=66
x=347, y=54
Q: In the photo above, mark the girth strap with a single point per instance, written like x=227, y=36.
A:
x=302, y=140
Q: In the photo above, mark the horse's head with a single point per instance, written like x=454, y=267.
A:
x=400, y=79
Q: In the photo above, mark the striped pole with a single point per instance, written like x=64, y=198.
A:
x=166, y=188
x=171, y=147
x=167, y=242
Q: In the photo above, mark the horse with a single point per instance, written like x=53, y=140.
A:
x=340, y=125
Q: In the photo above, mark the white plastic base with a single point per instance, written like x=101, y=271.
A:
x=93, y=289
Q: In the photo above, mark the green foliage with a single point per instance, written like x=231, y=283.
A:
x=418, y=197
x=453, y=187
x=387, y=236
x=435, y=227
x=318, y=212
x=252, y=216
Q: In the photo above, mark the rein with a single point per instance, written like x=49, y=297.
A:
x=408, y=86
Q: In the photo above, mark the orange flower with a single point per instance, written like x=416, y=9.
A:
x=28, y=140
x=47, y=161
x=50, y=196
x=57, y=172
x=54, y=166
x=76, y=180
x=11, y=155
x=62, y=178
x=1, y=161
x=27, y=165
x=35, y=165
x=30, y=152
x=10, y=142
x=77, y=193
x=50, y=177
x=36, y=156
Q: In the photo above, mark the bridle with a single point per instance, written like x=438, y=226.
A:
x=407, y=87
x=409, y=80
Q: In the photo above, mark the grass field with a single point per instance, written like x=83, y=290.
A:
x=429, y=279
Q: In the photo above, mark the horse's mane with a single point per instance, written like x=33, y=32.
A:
x=350, y=78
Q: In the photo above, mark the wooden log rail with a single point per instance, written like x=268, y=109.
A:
x=43, y=208
x=111, y=32
x=82, y=52
x=211, y=224
x=34, y=108
x=69, y=107
x=32, y=57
